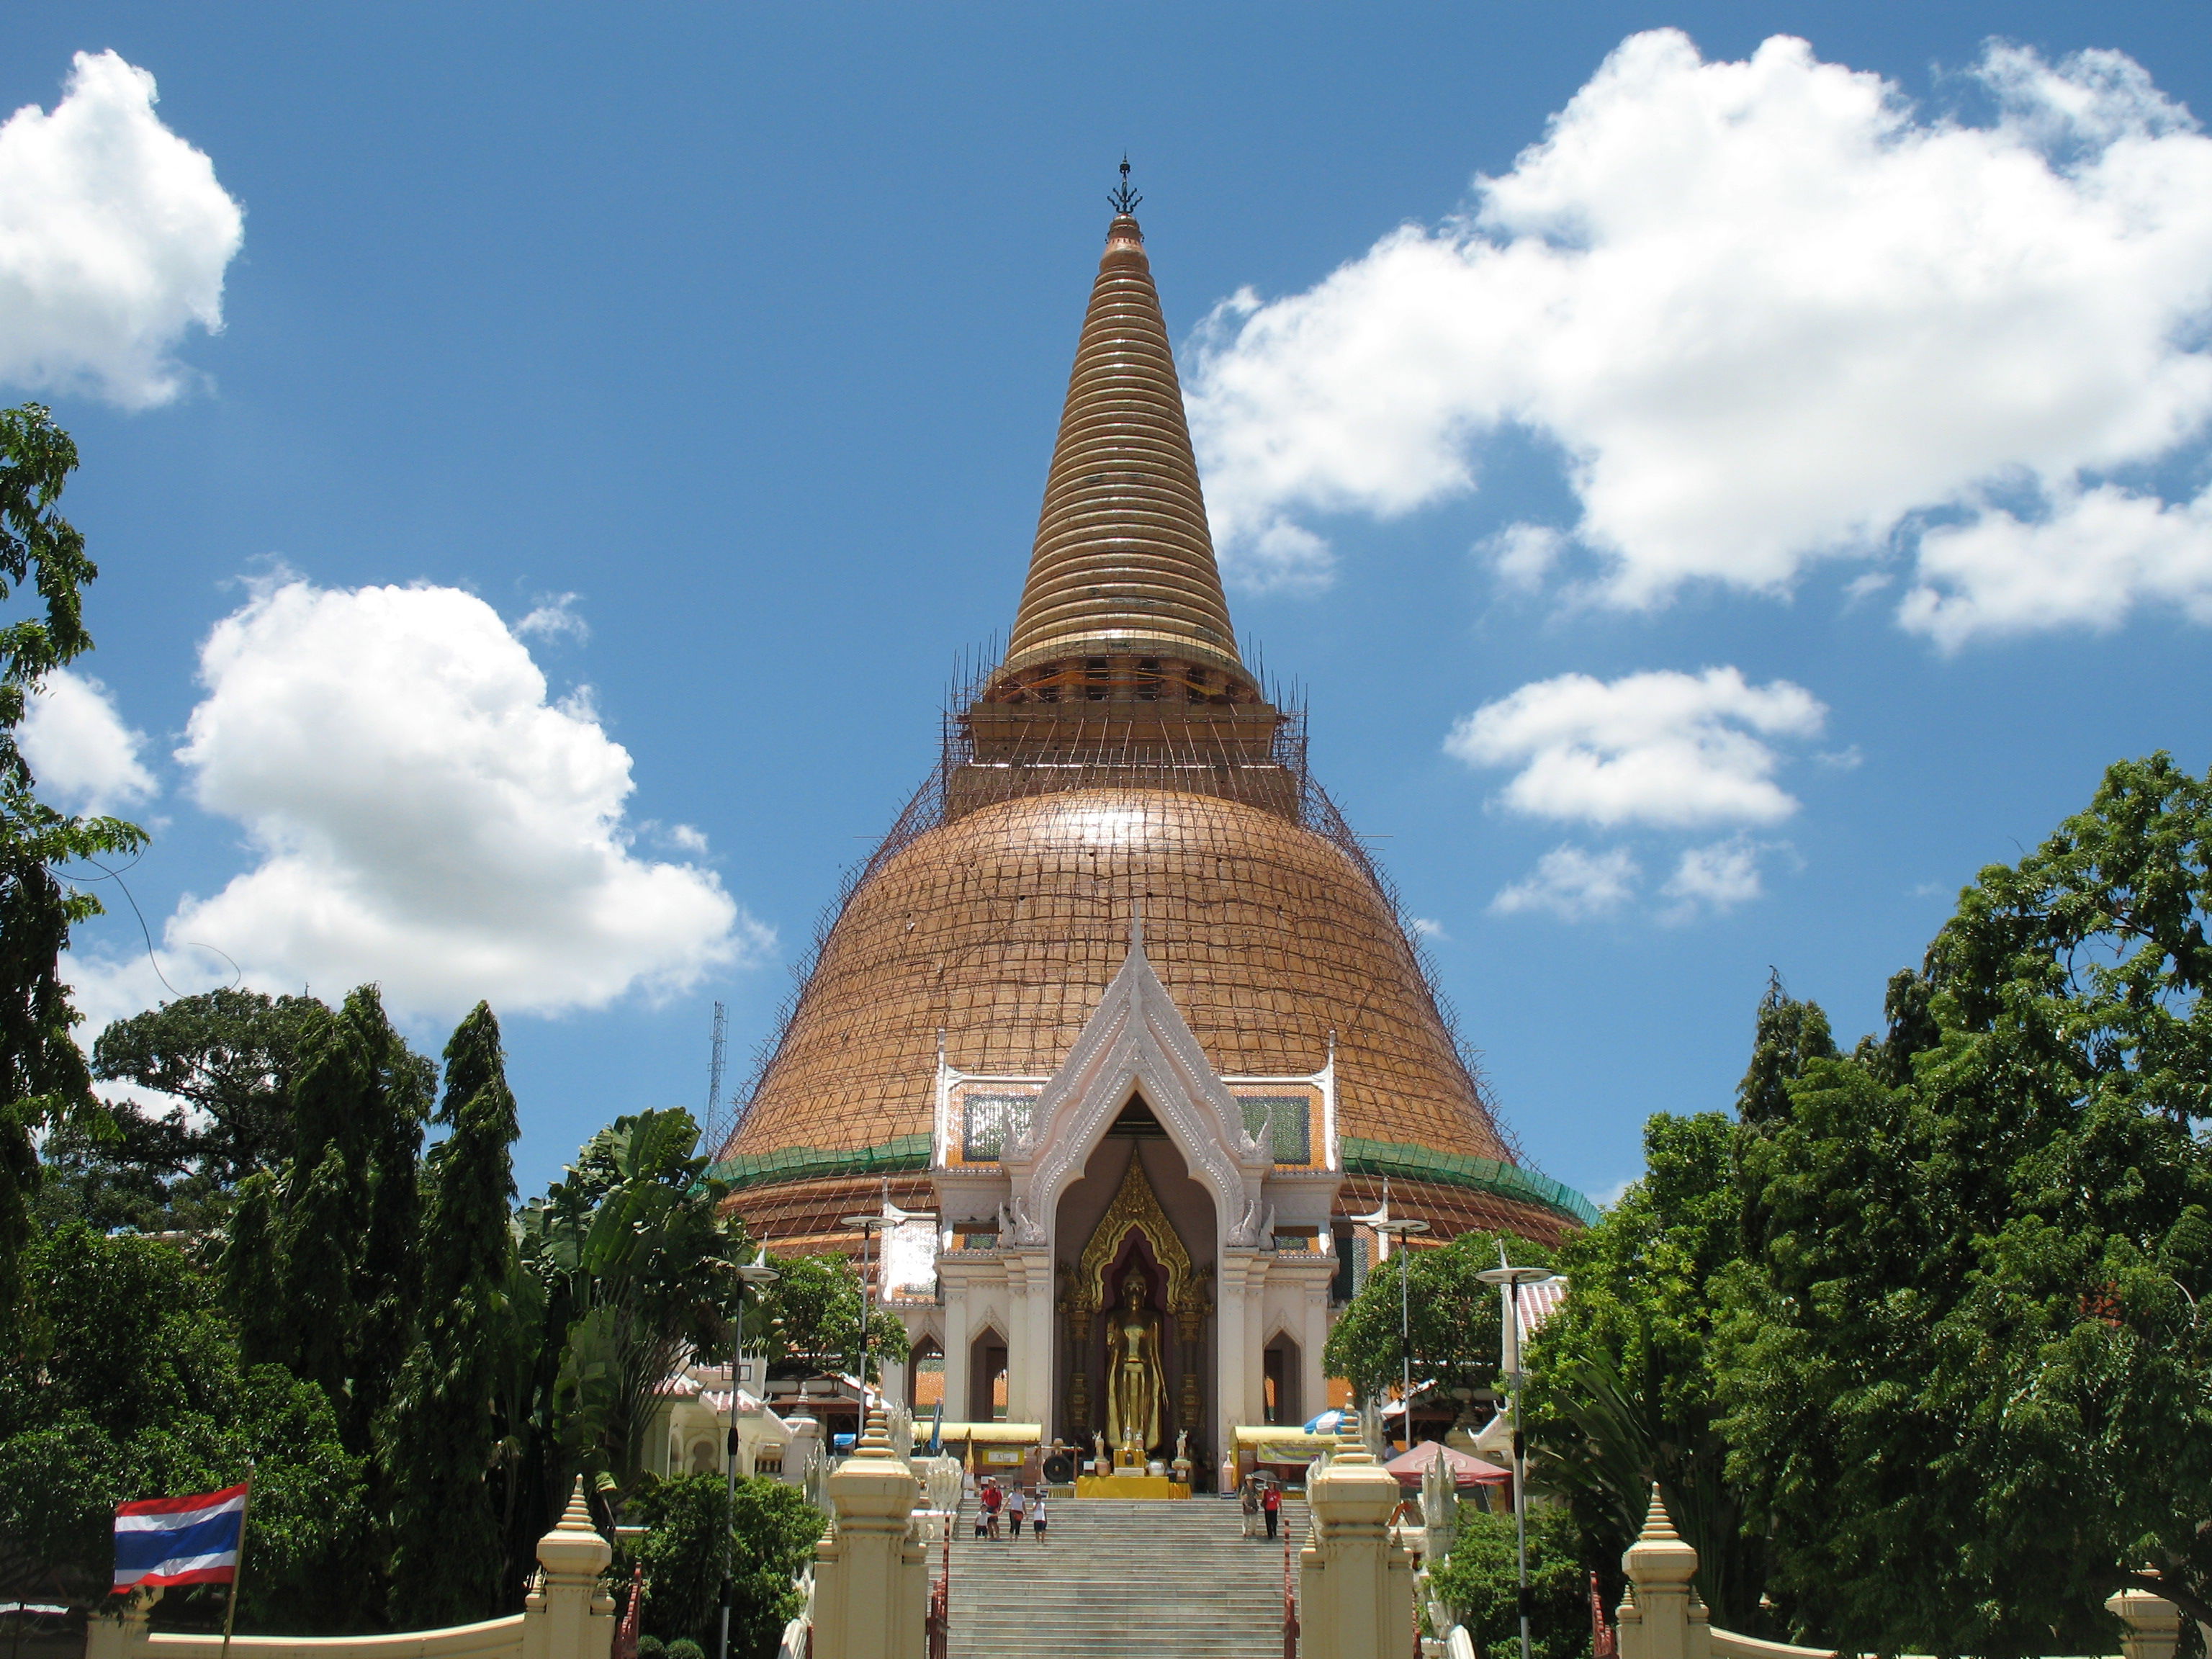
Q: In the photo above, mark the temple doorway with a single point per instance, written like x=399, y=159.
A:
x=1133, y=1230
x=986, y=1378
x=1278, y=1382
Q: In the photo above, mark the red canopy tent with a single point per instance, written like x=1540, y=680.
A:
x=1464, y=1470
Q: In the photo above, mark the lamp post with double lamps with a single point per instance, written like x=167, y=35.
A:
x=867, y=1227
x=1401, y=1230
x=753, y=1275
x=1509, y=1279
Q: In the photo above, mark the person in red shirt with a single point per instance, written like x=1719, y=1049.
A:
x=992, y=1498
x=1270, y=1504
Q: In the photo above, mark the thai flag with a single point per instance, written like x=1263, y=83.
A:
x=180, y=1540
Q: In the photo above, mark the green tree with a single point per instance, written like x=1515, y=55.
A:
x=44, y=1081
x=1623, y=1390
x=230, y=1059
x=636, y=1261
x=685, y=1553
x=776, y=1529
x=1479, y=1582
x=1451, y=1315
x=139, y=1391
x=345, y=1216
x=810, y=1319
x=443, y=1441
x=1970, y=1371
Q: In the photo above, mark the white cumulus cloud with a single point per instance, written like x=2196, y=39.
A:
x=1662, y=748
x=1770, y=313
x=1573, y=884
x=83, y=757
x=2090, y=561
x=425, y=817
x=114, y=236
x=1718, y=876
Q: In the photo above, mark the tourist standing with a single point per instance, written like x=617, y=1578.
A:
x=1017, y=1503
x=1272, y=1506
x=1248, y=1501
x=1037, y=1515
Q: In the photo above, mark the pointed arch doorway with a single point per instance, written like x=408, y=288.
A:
x=1140, y=1227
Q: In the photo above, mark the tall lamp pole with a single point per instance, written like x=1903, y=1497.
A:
x=1509, y=1280
x=1401, y=1230
x=867, y=1227
x=755, y=1275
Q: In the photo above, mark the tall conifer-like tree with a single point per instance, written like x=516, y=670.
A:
x=345, y=1216
x=445, y=1433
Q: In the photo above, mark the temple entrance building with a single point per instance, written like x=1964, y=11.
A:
x=1120, y=1024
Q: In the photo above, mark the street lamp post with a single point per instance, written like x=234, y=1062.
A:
x=1509, y=1280
x=756, y=1274
x=867, y=1227
x=1401, y=1230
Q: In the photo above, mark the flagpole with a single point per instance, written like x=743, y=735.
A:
x=238, y=1569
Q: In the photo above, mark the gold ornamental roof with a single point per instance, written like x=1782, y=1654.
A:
x=1123, y=562
x=1002, y=928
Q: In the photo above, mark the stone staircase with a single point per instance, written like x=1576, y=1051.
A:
x=1118, y=1576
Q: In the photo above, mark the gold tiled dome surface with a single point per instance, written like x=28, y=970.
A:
x=1002, y=928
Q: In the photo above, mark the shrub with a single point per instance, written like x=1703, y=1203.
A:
x=776, y=1529
x=685, y=1648
x=1477, y=1582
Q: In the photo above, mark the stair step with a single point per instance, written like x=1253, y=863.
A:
x=1116, y=1576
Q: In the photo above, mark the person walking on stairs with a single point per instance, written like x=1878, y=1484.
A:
x=1247, y=1504
x=1272, y=1505
x=1037, y=1515
x=1016, y=1502
x=994, y=1500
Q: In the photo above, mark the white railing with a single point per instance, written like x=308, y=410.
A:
x=566, y=1615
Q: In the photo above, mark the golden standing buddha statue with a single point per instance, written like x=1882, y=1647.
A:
x=1136, y=1381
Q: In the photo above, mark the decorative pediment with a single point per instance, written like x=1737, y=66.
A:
x=1136, y=1205
x=1136, y=1042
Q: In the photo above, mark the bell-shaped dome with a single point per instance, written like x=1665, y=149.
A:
x=1121, y=757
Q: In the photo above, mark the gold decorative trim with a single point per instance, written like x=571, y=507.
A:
x=1135, y=1206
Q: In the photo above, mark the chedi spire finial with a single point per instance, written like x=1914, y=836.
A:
x=1122, y=198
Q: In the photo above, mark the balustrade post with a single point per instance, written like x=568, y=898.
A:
x=2153, y=1624
x=569, y=1613
x=1356, y=1581
x=119, y=1631
x=1662, y=1618
x=872, y=1573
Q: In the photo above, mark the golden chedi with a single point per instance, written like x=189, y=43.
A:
x=1121, y=1000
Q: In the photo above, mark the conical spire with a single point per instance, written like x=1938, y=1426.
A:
x=1123, y=562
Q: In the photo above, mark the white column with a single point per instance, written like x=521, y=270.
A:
x=1028, y=1337
x=1236, y=1341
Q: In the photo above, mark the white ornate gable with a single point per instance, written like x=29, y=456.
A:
x=1136, y=1043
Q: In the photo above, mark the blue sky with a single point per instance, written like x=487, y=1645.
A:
x=1702, y=548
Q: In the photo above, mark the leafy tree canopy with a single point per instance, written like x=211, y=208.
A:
x=1479, y=1582
x=230, y=1059
x=43, y=1078
x=637, y=1263
x=1622, y=1388
x=810, y=1320
x=1971, y=1372
x=1453, y=1318
x=140, y=1390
